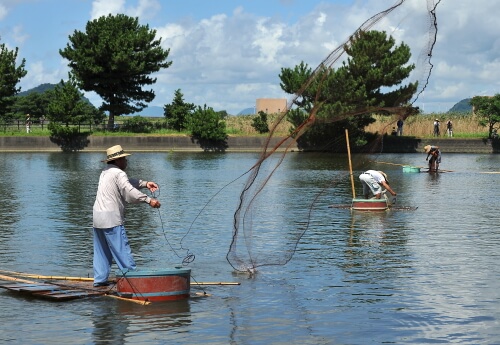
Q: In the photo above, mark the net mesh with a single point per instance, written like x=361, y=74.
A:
x=263, y=232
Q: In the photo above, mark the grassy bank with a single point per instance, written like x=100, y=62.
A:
x=464, y=126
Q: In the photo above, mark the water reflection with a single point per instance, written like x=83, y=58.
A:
x=9, y=204
x=109, y=327
x=422, y=276
x=119, y=322
x=376, y=247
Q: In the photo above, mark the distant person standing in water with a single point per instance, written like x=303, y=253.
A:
x=435, y=154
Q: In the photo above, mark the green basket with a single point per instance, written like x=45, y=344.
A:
x=410, y=169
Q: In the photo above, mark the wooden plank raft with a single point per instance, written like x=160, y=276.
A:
x=58, y=288
x=53, y=290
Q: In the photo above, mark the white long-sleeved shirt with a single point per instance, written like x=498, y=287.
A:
x=376, y=175
x=115, y=189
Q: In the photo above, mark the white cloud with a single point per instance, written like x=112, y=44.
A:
x=268, y=41
x=38, y=74
x=227, y=57
x=104, y=7
x=145, y=8
x=3, y=11
x=18, y=35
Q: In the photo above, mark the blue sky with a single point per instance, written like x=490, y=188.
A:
x=228, y=53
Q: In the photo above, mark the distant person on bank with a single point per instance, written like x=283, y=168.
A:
x=449, y=128
x=435, y=154
x=374, y=180
x=436, y=128
x=28, y=123
x=400, y=127
x=114, y=190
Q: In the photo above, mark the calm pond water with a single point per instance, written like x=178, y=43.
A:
x=400, y=277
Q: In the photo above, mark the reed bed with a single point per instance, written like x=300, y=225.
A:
x=464, y=125
x=242, y=125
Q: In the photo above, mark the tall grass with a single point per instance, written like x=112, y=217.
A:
x=242, y=125
x=465, y=125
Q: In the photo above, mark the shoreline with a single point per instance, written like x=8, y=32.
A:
x=235, y=144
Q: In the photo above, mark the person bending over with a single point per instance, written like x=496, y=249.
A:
x=373, y=180
x=435, y=160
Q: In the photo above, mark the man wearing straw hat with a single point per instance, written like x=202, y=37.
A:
x=435, y=153
x=114, y=190
x=373, y=180
x=436, y=132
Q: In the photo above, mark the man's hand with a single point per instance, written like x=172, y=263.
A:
x=154, y=203
x=152, y=186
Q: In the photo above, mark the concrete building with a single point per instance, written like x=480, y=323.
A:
x=271, y=105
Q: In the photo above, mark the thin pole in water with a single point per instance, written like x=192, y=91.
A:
x=350, y=163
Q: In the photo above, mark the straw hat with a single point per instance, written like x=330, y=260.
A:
x=427, y=148
x=385, y=176
x=436, y=120
x=115, y=152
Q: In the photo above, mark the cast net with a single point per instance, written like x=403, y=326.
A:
x=264, y=233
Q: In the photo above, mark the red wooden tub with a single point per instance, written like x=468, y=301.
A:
x=370, y=204
x=154, y=285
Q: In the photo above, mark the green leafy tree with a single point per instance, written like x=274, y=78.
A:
x=67, y=106
x=115, y=57
x=259, y=123
x=345, y=97
x=488, y=111
x=223, y=114
x=92, y=114
x=207, y=125
x=35, y=104
x=137, y=124
x=178, y=112
x=10, y=75
x=375, y=64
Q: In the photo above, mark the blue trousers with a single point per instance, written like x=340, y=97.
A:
x=111, y=244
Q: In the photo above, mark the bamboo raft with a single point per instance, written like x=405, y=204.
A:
x=53, y=289
x=392, y=208
x=58, y=288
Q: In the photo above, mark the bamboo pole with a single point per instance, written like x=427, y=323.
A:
x=401, y=165
x=2, y=277
x=214, y=283
x=37, y=276
x=129, y=299
x=350, y=163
